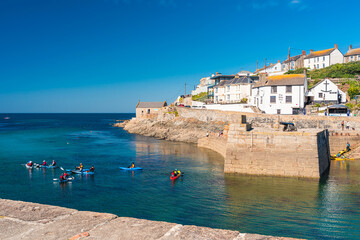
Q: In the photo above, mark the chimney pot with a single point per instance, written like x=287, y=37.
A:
x=336, y=46
x=303, y=52
x=350, y=47
x=216, y=73
x=278, y=61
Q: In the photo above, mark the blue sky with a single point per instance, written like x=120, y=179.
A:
x=105, y=55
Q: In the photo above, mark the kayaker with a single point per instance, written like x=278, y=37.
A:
x=66, y=175
x=62, y=177
x=132, y=165
x=348, y=147
x=53, y=163
x=44, y=163
x=80, y=167
x=30, y=163
x=172, y=174
x=92, y=169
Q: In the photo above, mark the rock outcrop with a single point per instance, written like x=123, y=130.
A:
x=170, y=127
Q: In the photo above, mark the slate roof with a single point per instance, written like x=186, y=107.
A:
x=352, y=52
x=282, y=80
x=294, y=58
x=320, y=53
x=151, y=104
x=239, y=80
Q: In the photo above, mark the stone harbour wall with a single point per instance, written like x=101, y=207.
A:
x=25, y=220
x=291, y=154
x=270, y=121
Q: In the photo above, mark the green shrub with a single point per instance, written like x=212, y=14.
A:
x=244, y=100
x=199, y=97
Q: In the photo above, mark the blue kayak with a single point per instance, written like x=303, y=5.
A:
x=131, y=169
x=85, y=171
x=76, y=171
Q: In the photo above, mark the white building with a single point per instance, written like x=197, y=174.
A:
x=352, y=55
x=284, y=94
x=323, y=58
x=205, y=83
x=235, y=90
x=272, y=69
x=326, y=91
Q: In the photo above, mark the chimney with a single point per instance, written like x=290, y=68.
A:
x=216, y=73
x=336, y=46
x=278, y=61
x=303, y=52
x=350, y=47
x=311, y=51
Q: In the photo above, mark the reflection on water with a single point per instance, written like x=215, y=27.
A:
x=204, y=196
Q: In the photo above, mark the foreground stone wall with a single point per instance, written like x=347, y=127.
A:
x=23, y=220
x=291, y=154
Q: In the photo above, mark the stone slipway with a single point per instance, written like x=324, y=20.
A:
x=24, y=220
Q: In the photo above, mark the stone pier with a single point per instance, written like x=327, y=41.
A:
x=24, y=220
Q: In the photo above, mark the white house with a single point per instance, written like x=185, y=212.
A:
x=284, y=94
x=272, y=69
x=205, y=83
x=352, y=55
x=235, y=90
x=323, y=58
x=326, y=91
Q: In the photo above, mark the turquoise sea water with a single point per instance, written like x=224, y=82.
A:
x=205, y=196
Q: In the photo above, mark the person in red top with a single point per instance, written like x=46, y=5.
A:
x=66, y=175
x=30, y=163
x=53, y=163
x=44, y=163
x=62, y=178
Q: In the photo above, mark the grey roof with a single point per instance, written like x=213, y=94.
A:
x=222, y=76
x=151, y=104
x=240, y=80
x=294, y=58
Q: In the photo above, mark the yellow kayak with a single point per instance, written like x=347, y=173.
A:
x=341, y=159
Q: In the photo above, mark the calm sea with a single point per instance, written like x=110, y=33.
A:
x=205, y=196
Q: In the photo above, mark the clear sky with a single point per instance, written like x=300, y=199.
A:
x=105, y=55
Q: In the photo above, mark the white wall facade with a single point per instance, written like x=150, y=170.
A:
x=327, y=91
x=262, y=96
x=230, y=107
x=233, y=93
x=219, y=94
x=324, y=61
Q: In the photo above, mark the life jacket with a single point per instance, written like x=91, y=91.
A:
x=30, y=164
x=62, y=177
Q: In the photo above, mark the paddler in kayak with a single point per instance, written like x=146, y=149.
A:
x=62, y=177
x=53, y=163
x=66, y=175
x=92, y=169
x=80, y=167
x=30, y=163
x=132, y=165
x=44, y=163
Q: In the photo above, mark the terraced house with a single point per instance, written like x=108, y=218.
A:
x=293, y=63
x=352, y=55
x=284, y=94
x=236, y=90
x=323, y=58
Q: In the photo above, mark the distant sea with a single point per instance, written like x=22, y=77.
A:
x=205, y=196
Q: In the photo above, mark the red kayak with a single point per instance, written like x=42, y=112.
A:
x=175, y=177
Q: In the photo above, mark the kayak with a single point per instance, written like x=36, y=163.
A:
x=51, y=166
x=64, y=181
x=76, y=171
x=29, y=167
x=86, y=171
x=131, y=169
x=341, y=159
x=175, y=177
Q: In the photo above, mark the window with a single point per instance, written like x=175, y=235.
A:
x=309, y=61
x=323, y=65
x=288, y=99
x=228, y=97
x=318, y=59
x=216, y=90
x=318, y=66
x=273, y=89
x=272, y=99
x=228, y=88
x=279, y=111
x=320, y=95
x=358, y=57
x=217, y=98
x=275, y=68
x=261, y=100
x=289, y=89
x=352, y=57
x=323, y=58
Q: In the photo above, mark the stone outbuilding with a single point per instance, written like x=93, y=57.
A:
x=148, y=109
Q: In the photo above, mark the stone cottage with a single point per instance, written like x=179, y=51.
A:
x=148, y=109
